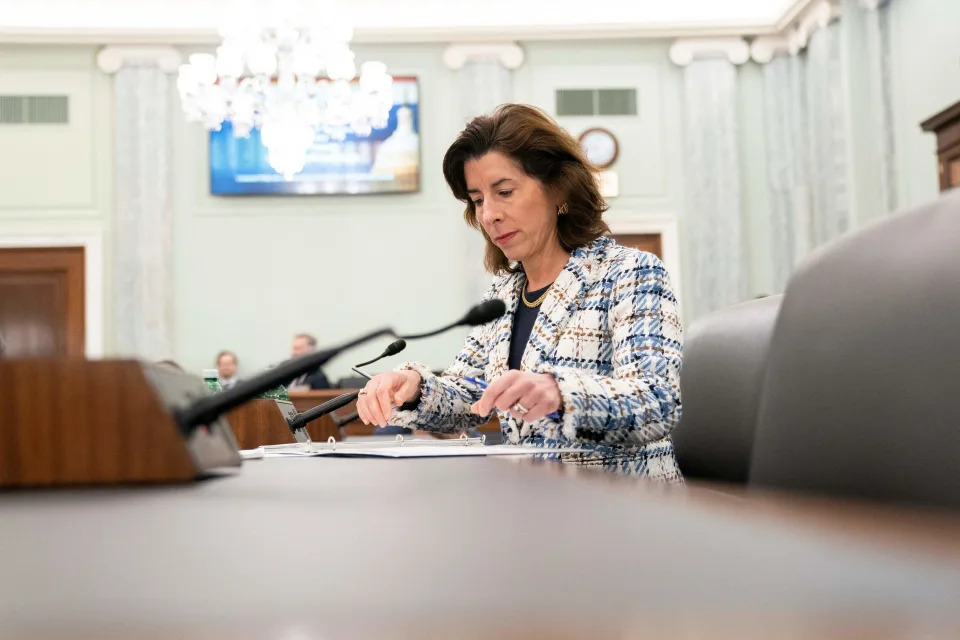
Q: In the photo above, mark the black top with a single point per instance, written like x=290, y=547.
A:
x=522, y=326
x=316, y=379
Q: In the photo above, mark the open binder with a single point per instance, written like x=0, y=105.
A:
x=399, y=448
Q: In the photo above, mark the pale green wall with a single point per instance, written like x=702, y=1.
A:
x=754, y=191
x=926, y=79
x=56, y=180
x=251, y=272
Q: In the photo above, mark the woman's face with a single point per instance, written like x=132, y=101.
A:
x=512, y=208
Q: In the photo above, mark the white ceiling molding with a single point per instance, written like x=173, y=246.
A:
x=381, y=35
x=798, y=8
x=685, y=51
x=795, y=35
x=764, y=48
x=817, y=16
x=112, y=59
x=196, y=22
x=509, y=54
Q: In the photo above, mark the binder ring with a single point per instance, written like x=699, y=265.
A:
x=332, y=442
x=400, y=439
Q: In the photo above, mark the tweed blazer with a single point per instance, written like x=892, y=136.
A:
x=609, y=333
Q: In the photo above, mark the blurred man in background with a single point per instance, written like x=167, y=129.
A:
x=227, y=369
x=304, y=343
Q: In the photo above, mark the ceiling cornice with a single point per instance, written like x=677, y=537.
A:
x=187, y=36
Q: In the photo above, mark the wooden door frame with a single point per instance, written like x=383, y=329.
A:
x=93, y=267
x=663, y=224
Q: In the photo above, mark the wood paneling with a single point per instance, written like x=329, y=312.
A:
x=946, y=126
x=42, y=301
x=259, y=422
x=74, y=421
x=652, y=242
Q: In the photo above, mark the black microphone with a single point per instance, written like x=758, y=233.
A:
x=209, y=408
x=301, y=420
x=477, y=315
x=392, y=349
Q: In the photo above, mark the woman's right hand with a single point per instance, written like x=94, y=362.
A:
x=384, y=392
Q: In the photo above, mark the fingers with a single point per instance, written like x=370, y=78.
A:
x=487, y=401
x=519, y=390
x=384, y=404
x=365, y=402
x=409, y=389
x=537, y=411
x=537, y=393
x=384, y=392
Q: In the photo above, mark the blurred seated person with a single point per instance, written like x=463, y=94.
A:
x=227, y=369
x=304, y=343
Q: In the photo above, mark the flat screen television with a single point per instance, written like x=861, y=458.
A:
x=385, y=161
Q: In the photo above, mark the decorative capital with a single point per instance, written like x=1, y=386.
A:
x=819, y=15
x=764, y=48
x=111, y=59
x=686, y=50
x=509, y=54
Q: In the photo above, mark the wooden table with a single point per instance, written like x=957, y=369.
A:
x=467, y=548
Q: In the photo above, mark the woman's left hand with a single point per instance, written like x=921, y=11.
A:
x=526, y=395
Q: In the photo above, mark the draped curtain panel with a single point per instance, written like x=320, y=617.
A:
x=875, y=18
x=714, y=264
x=787, y=163
x=484, y=85
x=143, y=314
x=807, y=150
x=827, y=135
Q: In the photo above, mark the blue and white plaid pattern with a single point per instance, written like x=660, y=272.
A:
x=609, y=332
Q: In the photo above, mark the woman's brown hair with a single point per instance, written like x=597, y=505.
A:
x=545, y=152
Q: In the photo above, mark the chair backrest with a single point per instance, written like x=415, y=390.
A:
x=724, y=358
x=862, y=390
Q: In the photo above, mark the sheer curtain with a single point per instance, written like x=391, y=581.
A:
x=874, y=17
x=806, y=140
x=712, y=228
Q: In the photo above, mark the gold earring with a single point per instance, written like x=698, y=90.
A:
x=562, y=209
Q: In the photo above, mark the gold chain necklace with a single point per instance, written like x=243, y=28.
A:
x=536, y=303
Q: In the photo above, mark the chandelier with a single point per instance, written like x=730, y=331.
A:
x=289, y=83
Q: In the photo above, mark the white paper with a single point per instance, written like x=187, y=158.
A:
x=411, y=450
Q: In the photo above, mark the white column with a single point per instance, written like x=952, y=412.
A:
x=484, y=82
x=143, y=223
x=714, y=257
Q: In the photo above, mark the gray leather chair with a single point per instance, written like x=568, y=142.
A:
x=862, y=389
x=724, y=358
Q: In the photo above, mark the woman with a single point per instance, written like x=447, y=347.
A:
x=588, y=353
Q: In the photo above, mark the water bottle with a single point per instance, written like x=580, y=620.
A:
x=211, y=380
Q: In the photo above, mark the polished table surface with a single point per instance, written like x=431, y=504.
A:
x=479, y=547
